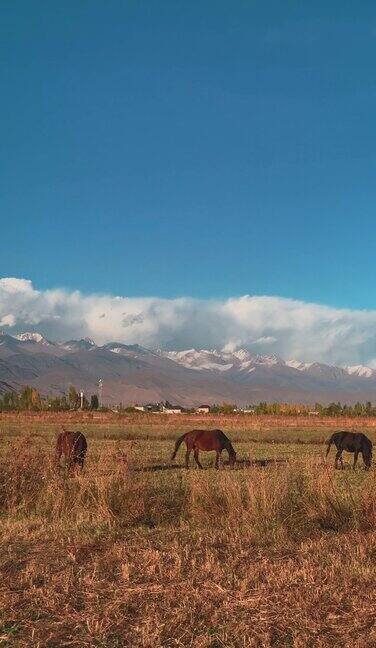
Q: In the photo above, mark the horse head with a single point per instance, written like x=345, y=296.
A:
x=232, y=457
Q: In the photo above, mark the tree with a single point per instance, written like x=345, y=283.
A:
x=10, y=401
x=94, y=402
x=29, y=399
x=359, y=409
x=262, y=408
x=227, y=408
x=85, y=403
x=73, y=397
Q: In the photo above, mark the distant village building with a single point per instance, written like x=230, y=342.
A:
x=203, y=409
x=172, y=409
x=152, y=408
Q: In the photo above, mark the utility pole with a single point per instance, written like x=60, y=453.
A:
x=100, y=390
x=81, y=400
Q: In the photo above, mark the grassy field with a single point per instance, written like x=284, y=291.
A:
x=145, y=553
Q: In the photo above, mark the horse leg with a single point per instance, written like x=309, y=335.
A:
x=57, y=458
x=356, y=453
x=71, y=459
x=217, y=458
x=71, y=466
x=80, y=460
x=78, y=463
x=338, y=457
x=187, y=455
x=366, y=461
x=195, y=454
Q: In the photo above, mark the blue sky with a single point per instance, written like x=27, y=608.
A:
x=204, y=149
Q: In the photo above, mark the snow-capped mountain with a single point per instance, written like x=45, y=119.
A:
x=32, y=337
x=296, y=364
x=243, y=360
x=132, y=373
x=126, y=349
x=214, y=360
x=200, y=359
x=86, y=344
x=361, y=371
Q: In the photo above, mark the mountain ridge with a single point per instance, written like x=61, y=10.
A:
x=133, y=373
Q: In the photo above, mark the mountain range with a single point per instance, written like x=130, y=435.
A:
x=132, y=373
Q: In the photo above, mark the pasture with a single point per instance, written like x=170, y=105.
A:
x=137, y=551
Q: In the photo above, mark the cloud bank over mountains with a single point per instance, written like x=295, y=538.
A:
x=286, y=327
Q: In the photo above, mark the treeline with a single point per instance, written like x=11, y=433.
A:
x=333, y=409
x=29, y=399
x=291, y=409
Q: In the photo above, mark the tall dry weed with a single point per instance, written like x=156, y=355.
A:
x=268, y=505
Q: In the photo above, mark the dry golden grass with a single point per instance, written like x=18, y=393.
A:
x=115, y=556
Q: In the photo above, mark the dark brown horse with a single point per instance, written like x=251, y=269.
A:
x=207, y=440
x=351, y=442
x=73, y=446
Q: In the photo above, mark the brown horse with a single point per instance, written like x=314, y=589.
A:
x=351, y=442
x=207, y=440
x=73, y=446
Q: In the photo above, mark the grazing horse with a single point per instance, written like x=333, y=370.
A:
x=351, y=442
x=197, y=440
x=73, y=446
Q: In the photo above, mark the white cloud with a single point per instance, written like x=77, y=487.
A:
x=290, y=328
x=265, y=339
x=8, y=320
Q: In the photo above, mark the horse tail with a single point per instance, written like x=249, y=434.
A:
x=178, y=443
x=329, y=443
x=58, y=448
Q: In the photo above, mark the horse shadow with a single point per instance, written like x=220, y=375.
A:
x=241, y=464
